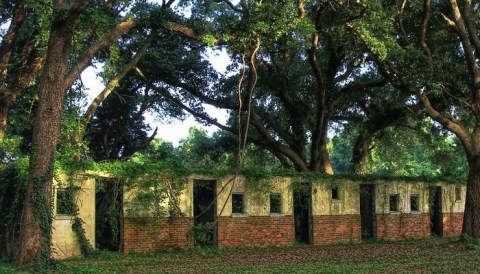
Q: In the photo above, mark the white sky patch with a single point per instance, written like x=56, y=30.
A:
x=170, y=130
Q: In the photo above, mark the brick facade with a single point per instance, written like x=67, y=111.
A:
x=452, y=224
x=154, y=234
x=255, y=231
x=336, y=229
x=402, y=225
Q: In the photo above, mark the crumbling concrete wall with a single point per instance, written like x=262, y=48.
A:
x=64, y=239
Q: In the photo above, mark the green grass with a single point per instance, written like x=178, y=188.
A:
x=434, y=255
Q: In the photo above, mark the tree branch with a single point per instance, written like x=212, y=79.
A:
x=230, y=4
x=471, y=27
x=113, y=83
x=448, y=122
x=427, y=13
x=85, y=58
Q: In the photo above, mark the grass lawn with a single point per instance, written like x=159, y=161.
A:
x=416, y=256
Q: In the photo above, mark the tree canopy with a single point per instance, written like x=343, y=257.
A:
x=360, y=87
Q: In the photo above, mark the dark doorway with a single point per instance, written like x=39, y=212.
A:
x=435, y=202
x=109, y=214
x=302, y=211
x=367, y=211
x=204, y=212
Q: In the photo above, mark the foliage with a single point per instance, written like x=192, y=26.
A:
x=425, y=151
x=85, y=246
x=445, y=256
x=13, y=178
x=202, y=234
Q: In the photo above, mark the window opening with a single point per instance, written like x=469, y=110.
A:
x=335, y=193
x=65, y=201
x=393, y=203
x=275, y=203
x=414, y=206
x=238, y=203
x=458, y=194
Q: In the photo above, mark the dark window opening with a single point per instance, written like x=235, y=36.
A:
x=393, y=203
x=237, y=203
x=414, y=203
x=65, y=201
x=275, y=203
x=458, y=194
x=335, y=193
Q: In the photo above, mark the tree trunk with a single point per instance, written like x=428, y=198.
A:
x=35, y=230
x=360, y=152
x=4, y=107
x=35, y=235
x=471, y=218
x=325, y=164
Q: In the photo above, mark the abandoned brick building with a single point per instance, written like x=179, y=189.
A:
x=227, y=213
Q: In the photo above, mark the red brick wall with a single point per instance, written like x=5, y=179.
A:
x=402, y=225
x=452, y=224
x=255, y=231
x=336, y=229
x=153, y=234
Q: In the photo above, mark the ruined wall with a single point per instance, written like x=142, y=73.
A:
x=64, y=240
x=144, y=233
x=336, y=220
x=333, y=219
x=154, y=234
x=256, y=226
x=453, y=206
x=404, y=222
x=407, y=223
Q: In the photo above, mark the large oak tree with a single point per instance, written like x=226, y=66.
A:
x=430, y=50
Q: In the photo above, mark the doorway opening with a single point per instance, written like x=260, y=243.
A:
x=302, y=211
x=435, y=202
x=109, y=214
x=367, y=211
x=204, y=213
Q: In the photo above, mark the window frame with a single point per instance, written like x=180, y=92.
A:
x=279, y=195
x=417, y=197
x=396, y=209
x=69, y=190
x=335, y=193
x=458, y=193
x=242, y=203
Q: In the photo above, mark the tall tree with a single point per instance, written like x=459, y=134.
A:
x=296, y=68
x=36, y=224
x=58, y=75
x=432, y=53
x=22, y=51
x=80, y=31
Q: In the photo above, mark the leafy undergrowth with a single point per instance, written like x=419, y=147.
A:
x=419, y=256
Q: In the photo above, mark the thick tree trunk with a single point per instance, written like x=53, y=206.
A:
x=360, y=152
x=326, y=166
x=471, y=219
x=35, y=231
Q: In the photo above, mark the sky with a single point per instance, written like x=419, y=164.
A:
x=175, y=130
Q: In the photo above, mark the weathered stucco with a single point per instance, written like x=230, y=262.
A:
x=64, y=240
x=404, y=190
x=256, y=198
x=348, y=202
x=449, y=203
x=332, y=220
